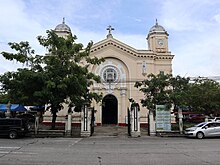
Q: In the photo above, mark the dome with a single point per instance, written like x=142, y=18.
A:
x=62, y=28
x=157, y=29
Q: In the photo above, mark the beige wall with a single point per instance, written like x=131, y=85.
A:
x=129, y=62
x=131, y=65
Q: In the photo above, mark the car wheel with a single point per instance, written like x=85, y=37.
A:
x=200, y=135
x=13, y=134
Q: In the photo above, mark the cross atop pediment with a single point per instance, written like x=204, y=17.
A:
x=110, y=28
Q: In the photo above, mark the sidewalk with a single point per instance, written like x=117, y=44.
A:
x=118, y=131
x=170, y=134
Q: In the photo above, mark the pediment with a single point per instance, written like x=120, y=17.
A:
x=112, y=42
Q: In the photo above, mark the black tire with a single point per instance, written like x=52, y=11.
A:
x=13, y=135
x=200, y=135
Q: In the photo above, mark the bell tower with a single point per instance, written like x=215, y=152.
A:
x=158, y=39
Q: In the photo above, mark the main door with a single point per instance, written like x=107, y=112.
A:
x=110, y=110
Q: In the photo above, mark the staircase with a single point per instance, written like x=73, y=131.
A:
x=110, y=130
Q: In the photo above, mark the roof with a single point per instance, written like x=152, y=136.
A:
x=112, y=42
x=62, y=27
x=157, y=29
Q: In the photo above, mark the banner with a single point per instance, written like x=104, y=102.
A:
x=163, y=118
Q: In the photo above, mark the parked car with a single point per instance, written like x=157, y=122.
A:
x=196, y=118
x=184, y=114
x=216, y=119
x=205, y=129
x=13, y=127
x=27, y=116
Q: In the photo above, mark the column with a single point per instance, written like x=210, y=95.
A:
x=135, y=121
x=69, y=125
x=85, y=121
x=151, y=124
x=8, y=112
x=180, y=115
x=123, y=107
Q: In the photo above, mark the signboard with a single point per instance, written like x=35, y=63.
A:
x=163, y=118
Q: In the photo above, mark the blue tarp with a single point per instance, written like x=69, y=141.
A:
x=14, y=107
x=37, y=108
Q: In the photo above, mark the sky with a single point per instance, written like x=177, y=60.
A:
x=193, y=27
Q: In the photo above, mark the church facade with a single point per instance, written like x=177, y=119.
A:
x=123, y=66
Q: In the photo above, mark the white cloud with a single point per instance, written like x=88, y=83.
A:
x=191, y=15
x=195, y=29
x=193, y=26
x=217, y=18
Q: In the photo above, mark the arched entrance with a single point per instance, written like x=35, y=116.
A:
x=109, y=110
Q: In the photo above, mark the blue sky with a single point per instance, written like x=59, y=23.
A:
x=193, y=27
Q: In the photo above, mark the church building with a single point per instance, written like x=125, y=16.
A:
x=123, y=66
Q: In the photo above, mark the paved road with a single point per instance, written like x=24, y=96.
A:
x=110, y=150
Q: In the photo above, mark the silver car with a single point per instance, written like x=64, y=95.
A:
x=205, y=129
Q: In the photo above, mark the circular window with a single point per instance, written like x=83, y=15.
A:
x=110, y=74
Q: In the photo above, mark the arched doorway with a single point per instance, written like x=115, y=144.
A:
x=109, y=110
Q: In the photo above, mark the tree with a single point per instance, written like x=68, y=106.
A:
x=180, y=91
x=204, y=96
x=156, y=90
x=60, y=76
x=200, y=95
x=23, y=86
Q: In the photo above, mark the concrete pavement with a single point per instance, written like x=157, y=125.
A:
x=110, y=150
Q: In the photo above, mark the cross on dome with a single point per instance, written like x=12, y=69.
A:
x=63, y=20
x=156, y=22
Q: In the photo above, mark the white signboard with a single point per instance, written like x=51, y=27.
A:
x=163, y=118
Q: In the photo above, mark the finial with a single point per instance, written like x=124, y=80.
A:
x=156, y=22
x=110, y=28
x=63, y=20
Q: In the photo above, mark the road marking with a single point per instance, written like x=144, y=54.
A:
x=14, y=150
x=23, y=153
x=2, y=152
x=75, y=142
x=10, y=147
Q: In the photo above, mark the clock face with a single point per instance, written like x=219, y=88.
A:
x=160, y=42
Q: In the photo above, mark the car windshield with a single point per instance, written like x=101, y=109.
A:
x=200, y=125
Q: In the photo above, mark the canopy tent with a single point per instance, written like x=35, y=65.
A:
x=35, y=108
x=14, y=107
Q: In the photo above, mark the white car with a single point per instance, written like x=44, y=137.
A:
x=205, y=129
x=216, y=119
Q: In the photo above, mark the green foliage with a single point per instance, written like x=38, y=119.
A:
x=23, y=86
x=59, y=76
x=156, y=90
x=201, y=95
x=180, y=91
x=205, y=96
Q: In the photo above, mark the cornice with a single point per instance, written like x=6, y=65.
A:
x=164, y=57
x=123, y=47
x=129, y=50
